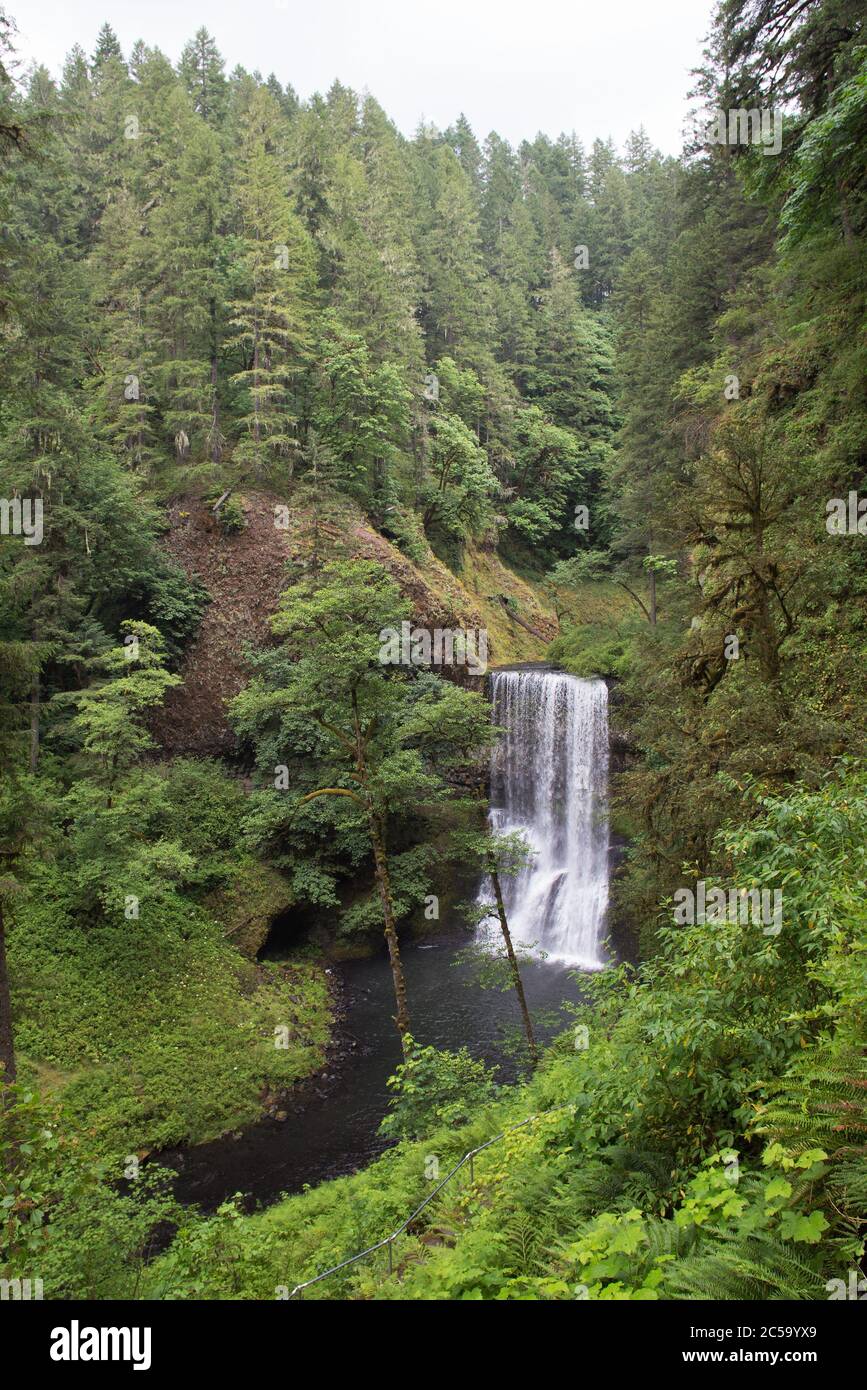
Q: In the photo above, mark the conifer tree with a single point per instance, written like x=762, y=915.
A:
x=184, y=312
x=107, y=49
x=457, y=300
x=271, y=308
x=126, y=394
x=202, y=71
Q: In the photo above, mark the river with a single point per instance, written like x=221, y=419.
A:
x=332, y=1122
x=549, y=780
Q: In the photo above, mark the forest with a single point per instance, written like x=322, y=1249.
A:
x=353, y=488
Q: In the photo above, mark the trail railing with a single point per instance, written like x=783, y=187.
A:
x=387, y=1243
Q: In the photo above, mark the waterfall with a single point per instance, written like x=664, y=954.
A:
x=549, y=780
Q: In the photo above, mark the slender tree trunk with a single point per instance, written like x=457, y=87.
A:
x=215, y=449
x=383, y=883
x=632, y=595
x=767, y=641
x=7, y=1044
x=314, y=558
x=255, y=391
x=419, y=451
x=848, y=232
x=376, y=831
x=516, y=617
x=513, y=963
x=34, y=723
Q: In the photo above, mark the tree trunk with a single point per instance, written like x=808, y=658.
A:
x=767, y=641
x=376, y=831
x=215, y=449
x=848, y=231
x=513, y=962
x=383, y=883
x=7, y=1044
x=34, y=723
x=516, y=617
x=634, y=596
x=224, y=497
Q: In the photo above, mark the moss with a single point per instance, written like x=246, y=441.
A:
x=485, y=577
x=246, y=908
x=161, y=1035
x=591, y=651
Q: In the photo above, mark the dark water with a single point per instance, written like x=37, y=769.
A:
x=331, y=1125
x=558, y=740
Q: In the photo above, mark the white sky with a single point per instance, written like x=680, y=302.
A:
x=600, y=67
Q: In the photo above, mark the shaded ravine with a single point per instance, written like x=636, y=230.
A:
x=332, y=1120
x=549, y=780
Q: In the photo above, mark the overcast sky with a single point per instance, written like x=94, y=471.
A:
x=599, y=67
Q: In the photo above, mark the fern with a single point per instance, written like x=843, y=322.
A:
x=522, y=1241
x=822, y=1104
x=728, y=1266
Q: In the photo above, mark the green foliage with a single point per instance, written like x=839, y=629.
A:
x=273, y=283
x=668, y=1168
x=433, y=1088
x=176, y=605
x=231, y=516
x=361, y=415
x=128, y=992
x=248, y=286
x=595, y=650
x=834, y=141
x=108, y=720
x=457, y=500
x=66, y=1220
x=607, y=1261
x=364, y=741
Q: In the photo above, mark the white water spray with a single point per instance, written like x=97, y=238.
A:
x=549, y=781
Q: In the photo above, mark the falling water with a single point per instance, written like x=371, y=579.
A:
x=549, y=779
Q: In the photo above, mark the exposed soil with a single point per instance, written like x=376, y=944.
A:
x=245, y=573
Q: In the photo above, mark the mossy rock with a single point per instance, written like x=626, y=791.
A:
x=248, y=906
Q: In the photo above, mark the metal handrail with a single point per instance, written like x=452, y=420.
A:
x=388, y=1240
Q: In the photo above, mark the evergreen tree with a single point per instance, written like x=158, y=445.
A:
x=457, y=298
x=272, y=304
x=360, y=412
x=183, y=308
x=465, y=145
x=202, y=71
x=108, y=49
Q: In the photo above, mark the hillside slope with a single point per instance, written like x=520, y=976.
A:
x=245, y=571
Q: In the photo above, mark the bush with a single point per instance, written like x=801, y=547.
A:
x=594, y=650
x=435, y=1087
